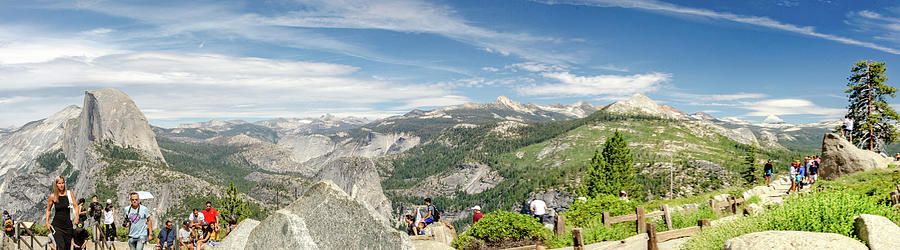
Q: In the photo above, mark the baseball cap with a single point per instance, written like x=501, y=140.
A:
x=476, y=208
x=108, y=200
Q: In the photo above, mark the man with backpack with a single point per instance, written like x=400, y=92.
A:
x=433, y=213
x=95, y=210
x=9, y=225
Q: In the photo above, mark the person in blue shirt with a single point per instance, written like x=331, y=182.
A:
x=137, y=220
x=166, y=237
x=9, y=225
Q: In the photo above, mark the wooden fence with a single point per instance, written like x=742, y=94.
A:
x=895, y=197
x=731, y=204
x=650, y=239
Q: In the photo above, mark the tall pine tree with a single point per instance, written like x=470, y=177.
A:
x=232, y=205
x=611, y=170
x=873, y=118
x=750, y=160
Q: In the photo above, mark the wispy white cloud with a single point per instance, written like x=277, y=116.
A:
x=876, y=25
x=781, y=107
x=535, y=67
x=570, y=85
x=490, y=69
x=657, y=6
x=715, y=99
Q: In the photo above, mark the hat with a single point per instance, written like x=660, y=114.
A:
x=186, y=223
x=476, y=208
x=5, y=212
x=108, y=200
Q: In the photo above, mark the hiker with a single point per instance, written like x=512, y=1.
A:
x=197, y=219
x=767, y=172
x=9, y=225
x=847, y=128
x=184, y=236
x=166, y=237
x=623, y=196
x=433, y=213
x=410, y=225
x=814, y=172
x=538, y=209
x=82, y=212
x=210, y=214
x=137, y=220
x=109, y=221
x=61, y=203
x=205, y=239
x=801, y=174
x=792, y=174
x=232, y=223
x=478, y=214
x=79, y=241
x=421, y=228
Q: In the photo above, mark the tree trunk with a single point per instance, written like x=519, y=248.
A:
x=869, y=113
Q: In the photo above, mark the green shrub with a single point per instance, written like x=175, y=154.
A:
x=582, y=212
x=753, y=200
x=830, y=212
x=594, y=231
x=500, y=227
x=683, y=219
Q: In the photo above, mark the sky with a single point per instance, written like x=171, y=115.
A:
x=188, y=61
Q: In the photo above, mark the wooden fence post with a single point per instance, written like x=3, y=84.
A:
x=703, y=223
x=560, y=225
x=712, y=204
x=606, y=218
x=667, y=216
x=639, y=211
x=733, y=205
x=577, y=239
x=652, y=243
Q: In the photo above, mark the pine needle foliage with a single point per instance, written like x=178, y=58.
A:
x=612, y=170
x=750, y=159
x=873, y=118
x=232, y=205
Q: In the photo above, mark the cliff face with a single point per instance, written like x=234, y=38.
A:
x=109, y=115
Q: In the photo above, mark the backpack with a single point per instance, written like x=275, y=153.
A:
x=8, y=224
x=436, y=214
x=96, y=210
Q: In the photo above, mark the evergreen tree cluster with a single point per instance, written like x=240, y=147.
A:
x=612, y=170
x=873, y=118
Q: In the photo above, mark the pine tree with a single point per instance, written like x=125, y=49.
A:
x=231, y=204
x=750, y=160
x=873, y=118
x=611, y=171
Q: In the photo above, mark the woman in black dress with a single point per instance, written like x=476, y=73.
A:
x=60, y=204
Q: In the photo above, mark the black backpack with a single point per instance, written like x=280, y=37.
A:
x=436, y=214
x=96, y=210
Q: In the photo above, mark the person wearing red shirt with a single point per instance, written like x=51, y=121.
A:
x=478, y=214
x=210, y=215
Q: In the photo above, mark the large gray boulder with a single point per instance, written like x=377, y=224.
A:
x=237, y=239
x=840, y=157
x=325, y=217
x=442, y=232
x=879, y=232
x=793, y=240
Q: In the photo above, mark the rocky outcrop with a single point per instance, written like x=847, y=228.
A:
x=557, y=201
x=237, y=239
x=442, y=232
x=878, y=232
x=325, y=217
x=793, y=240
x=20, y=148
x=359, y=178
x=840, y=157
x=430, y=245
x=109, y=115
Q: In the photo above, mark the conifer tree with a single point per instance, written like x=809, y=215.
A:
x=750, y=160
x=611, y=170
x=873, y=118
x=231, y=204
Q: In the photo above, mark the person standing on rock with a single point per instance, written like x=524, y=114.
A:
x=138, y=223
x=61, y=203
x=538, y=209
x=847, y=128
x=767, y=172
x=478, y=214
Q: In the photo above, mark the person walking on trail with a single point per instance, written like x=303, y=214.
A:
x=847, y=128
x=814, y=172
x=109, y=221
x=95, y=210
x=792, y=175
x=801, y=174
x=9, y=225
x=61, y=204
x=767, y=172
x=478, y=214
x=137, y=220
x=538, y=209
x=433, y=213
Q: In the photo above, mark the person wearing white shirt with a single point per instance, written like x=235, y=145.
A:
x=539, y=209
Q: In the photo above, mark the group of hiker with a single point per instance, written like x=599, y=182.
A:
x=804, y=173
x=66, y=218
x=416, y=223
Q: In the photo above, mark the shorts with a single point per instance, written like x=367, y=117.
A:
x=429, y=220
x=798, y=178
x=768, y=173
x=813, y=177
x=213, y=243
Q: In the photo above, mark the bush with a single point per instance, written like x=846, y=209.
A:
x=683, y=219
x=582, y=212
x=829, y=212
x=502, y=227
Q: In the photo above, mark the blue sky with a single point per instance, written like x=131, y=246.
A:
x=192, y=60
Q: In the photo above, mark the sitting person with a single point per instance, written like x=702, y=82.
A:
x=232, y=223
x=203, y=241
x=184, y=237
x=410, y=226
x=196, y=219
x=213, y=234
x=421, y=228
x=166, y=237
